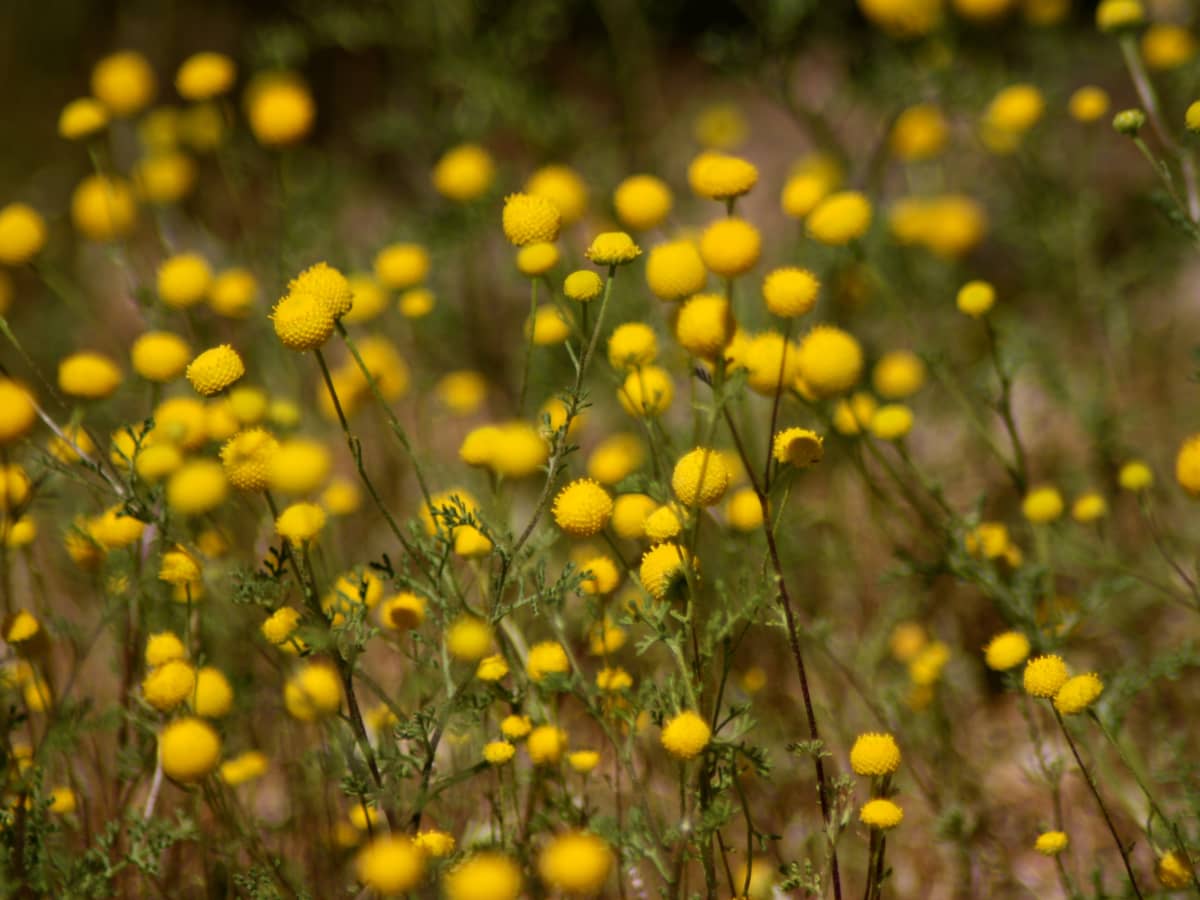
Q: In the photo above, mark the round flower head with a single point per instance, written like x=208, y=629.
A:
x=829, y=360
x=469, y=639
x=840, y=218
x=298, y=466
x=646, y=392
x=662, y=567
x=464, y=173
x=89, y=376
x=898, y=374
x=280, y=108
x=1044, y=675
x=247, y=458
x=1089, y=507
x=328, y=286
x=743, y=512
x=881, y=814
x=189, y=749
x=548, y=327
x=1135, y=476
x=975, y=298
x=160, y=356
x=920, y=132
x=215, y=369
x=1042, y=505
x=315, y=691
x=719, y=176
x=164, y=177
x=874, y=754
x=1051, y=843
x=642, y=202
x=300, y=523
x=537, y=259
x=1088, y=104
x=124, y=82
x=1191, y=117
x=302, y=322
x=582, y=508
x=632, y=345
x=497, y=753
x=1174, y=870
x=891, y=422
x=1187, y=465
x=529, y=219
x=103, y=208
x=203, y=76
x=280, y=626
x=790, y=292
x=1015, y=109
x=22, y=234
x=705, y=325
x=576, y=863
x=600, y=576
x=684, y=736
x=82, y=118
x=197, y=487
x=244, y=768
x=903, y=20
x=664, y=523
x=178, y=567
x=402, y=265
x=214, y=696
x=546, y=745
x=1118, y=15
x=391, y=864
x=1006, y=651
x=17, y=412
x=1077, y=694
x=163, y=647
x=563, y=187
x=583, y=285
x=798, y=447
x=730, y=247
x=488, y=875
x=700, y=478
x=183, y=280
x=675, y=270
x=630, y=512
x=613, y=248
x=546, y=658
x=169, y=685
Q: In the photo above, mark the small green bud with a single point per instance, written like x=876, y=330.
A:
x=1129, y=121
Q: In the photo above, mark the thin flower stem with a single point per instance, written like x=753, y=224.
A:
x=1091, y=783
x=527, y=362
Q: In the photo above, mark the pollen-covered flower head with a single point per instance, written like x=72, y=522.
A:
x=874, y=754
x=632, y=345
x=700, y=477
x=685, y=735
x=1044, y=675
x=280, y=108
x=721, y=176
x=612, y=248
x=1006, y=651
x=1078, y=693
x=302, y=322
x=247, y=458
x=300, y=522
x=464, y=173
x=675, y=270
x=830, y=360
x=391, y=864
x=881, y=813
x=546, y=658
x=662, y=567
x=799, y=447
x=215, y=369
x=790, y=291
x=329, y=286
x=189, y=749
x=642, y=202
x=582, y=508
x=530, y=219
x=583, y=285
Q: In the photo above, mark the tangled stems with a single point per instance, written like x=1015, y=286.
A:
x=1091, y=783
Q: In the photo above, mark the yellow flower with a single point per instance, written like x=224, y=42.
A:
x=563, y=188
x=203, y=76
x=113, y=529
x=546, y=658
x=675, y=270
x=487, y=875
x=719, y=176
x=700, y=477
x=1078, y=693
x=730, y=247
x=21, y=627
x=214, y=695
x=537, y=259
x=215, y=369
x=464, y=172
x=497, y=753
x=515, y=727
x=1089, y=507
x=530, y=219
x=874, y=754
x=302, y=322
x=891, y=422
x=280, y=108
x=300, y=522
x=189, y=749
x=402, y=612
x=898, y=374
x=576, y=863
x=1051, y=843
x=82, y=118
x=630, y=512
x=159, y=356
x=662, y=567
x=164, y=647
x=328, y=286
x=1088, y=104
x=720, y=126
x=632, y=345
x=1044, y=675
x=583, y=285
x=685, y=735
x=881, y=814
x=600, y=576
x=642, y=202
x=613, y=248
x=583, y=761
x=91, y=376
x=391, y=864
x=1116, y=15
x=369, y=299
x=1187, y=465
x=790, y=292
x=434, y=843
x=840, y=218
x=469, y=639
x=164, y=177
x=313, y=692
x=743, y=511
x=1042, y=505
x=975, y=298
x=920, y=132
x=1174, y=870
x=17, y=413
x=402, y=265
x=197, y=487
x=646, y=392
x=546, y=745
x=1006, y=651
x=582, y=508
x=799, y=447
x=491, y=668
x=245, y=767
x=22, y=234
x=829, y=360
x=1015, y=109
x=548, y=327
x=1135, y=476
x=183, y=280
x=124, y=82
x=280, y=626
x=103, y=208
x=903, y=18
